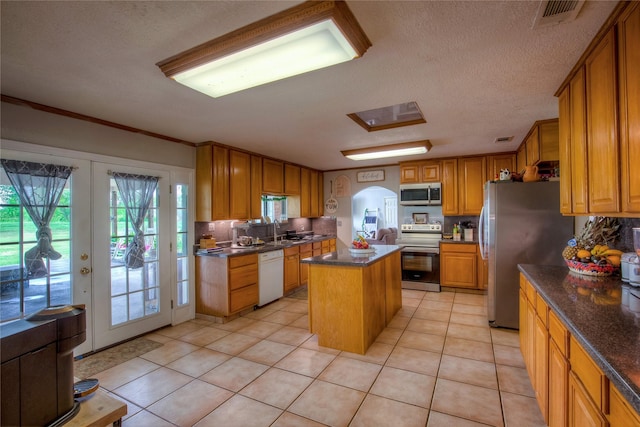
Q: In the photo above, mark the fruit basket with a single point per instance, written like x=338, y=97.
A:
x=591, y=269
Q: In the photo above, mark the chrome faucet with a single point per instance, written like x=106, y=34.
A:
x=276, y=225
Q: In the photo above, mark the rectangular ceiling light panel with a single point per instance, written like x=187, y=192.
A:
x=393, y=150
x=318, y=46
x=307, y=37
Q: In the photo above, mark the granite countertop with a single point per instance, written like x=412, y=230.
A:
x=266, y=247
x=470, y=242
x=591, y=309
x=344, y=257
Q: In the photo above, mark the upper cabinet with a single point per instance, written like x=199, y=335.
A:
x=450, y=187
x=472, y=172
x=256, y=186
x=540, y=144
x=600, y=122
x=629, y=87
x=220, y=192
x=495, y=163
x=239, y=184
x=415, y=172
x=291, y=179
x=272, y=176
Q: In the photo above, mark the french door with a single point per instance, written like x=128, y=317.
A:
x=92, y=233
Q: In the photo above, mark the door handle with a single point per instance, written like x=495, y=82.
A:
x=85, y=270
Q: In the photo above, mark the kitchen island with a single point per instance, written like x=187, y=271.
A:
x=353, y=296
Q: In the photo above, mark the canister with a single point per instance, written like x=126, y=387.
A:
x=625, y=259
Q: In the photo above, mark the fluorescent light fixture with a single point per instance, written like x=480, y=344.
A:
x=393, y=150
x=304, y=38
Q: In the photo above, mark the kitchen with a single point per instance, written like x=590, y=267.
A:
x=42, y=130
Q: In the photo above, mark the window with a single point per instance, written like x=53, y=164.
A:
x=274, y=207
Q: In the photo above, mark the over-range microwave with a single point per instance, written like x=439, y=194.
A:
x=428, y=193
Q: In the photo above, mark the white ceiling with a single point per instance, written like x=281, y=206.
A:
x=477, y=70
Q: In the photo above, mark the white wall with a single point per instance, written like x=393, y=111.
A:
x=24, y=124
x=344, y=213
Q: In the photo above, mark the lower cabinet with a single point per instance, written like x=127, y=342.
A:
x=291, y=268
x=226, y=285
x=459, y=266
x=570, y=388
x=306, y=251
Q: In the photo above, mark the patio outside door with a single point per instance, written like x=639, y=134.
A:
x=130, y=299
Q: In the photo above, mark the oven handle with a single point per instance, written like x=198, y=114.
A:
x=435, y=251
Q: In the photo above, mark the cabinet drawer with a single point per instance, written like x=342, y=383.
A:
x=590, y=375
x=458, y=247
x=325, y=245
x=531, y=293
x=243, y=298
x=559, y=333
x=291, y=251
x=542, y=309
x=317, y=245
x=241, y=277
x=239, y=261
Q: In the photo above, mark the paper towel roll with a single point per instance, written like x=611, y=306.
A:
x=468, y=234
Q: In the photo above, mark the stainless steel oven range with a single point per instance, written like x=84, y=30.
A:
x=420, y=256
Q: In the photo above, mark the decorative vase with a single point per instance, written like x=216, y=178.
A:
x=531, y=174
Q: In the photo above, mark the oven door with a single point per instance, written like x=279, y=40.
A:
x=420, y=264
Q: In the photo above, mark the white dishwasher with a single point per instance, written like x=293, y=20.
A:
x=270, y=276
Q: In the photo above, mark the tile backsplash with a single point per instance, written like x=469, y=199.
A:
x=625, y=241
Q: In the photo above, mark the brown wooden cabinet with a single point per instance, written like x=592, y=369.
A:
x=306, y=251
x=450, y=187
x=272, y=176
x=416, y=172
x=629, y=101
x=471, y=178
x=497, y=162
x=291, y=268
x=540, y=144
x=582, y=411
x=600, y=123
x=459, y=265
x=239, y=184
x=314, y=197
x=291, y=179
x=558, y=387
x=256, y=187
x=602, y=127
x=220, y=188
x=225, y=286
x=532, y=144
x=541, y=360
x=620, y=413
x=521, y=158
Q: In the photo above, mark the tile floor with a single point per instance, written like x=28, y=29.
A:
x=436, y=364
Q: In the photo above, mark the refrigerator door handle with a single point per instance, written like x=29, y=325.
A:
x=483, y=254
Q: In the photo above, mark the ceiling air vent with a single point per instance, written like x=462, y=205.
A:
x=503, y=139
x=556, y=11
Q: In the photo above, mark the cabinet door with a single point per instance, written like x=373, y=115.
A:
x=458, y=269
x=499, y=162
x=522, y=322
x=305, y=192
x=521, y=158
x=564, y=131
x=314, y=208
x=529, y=356
x=602, y=142
x=548, y=141
x=582, y=411
x=332, y=245
x=430, y=171
x=620, y=413
x=291, y=271
x=306, y=251
x=204, y=182
x=272, y=176
x=256, y=186
x=239, y=185
x=578, y=135
x=320, y=193
x=541, y=355
x=558, y=387
x=471, y=175
x=291, y=179
x=410, y=174
x=533, y=147
x=450, y=187
x=220, y=189
x=629, y=64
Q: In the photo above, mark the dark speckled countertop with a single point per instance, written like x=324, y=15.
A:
x=344, y=257
x=609, y=332
x=266, y=247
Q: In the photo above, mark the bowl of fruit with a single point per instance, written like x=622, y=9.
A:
x=361, y=246
x=588, y=254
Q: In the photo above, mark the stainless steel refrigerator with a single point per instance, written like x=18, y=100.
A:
x=520, y=223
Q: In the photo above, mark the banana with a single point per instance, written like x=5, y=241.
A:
x=596, y=250
x=611, y=252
